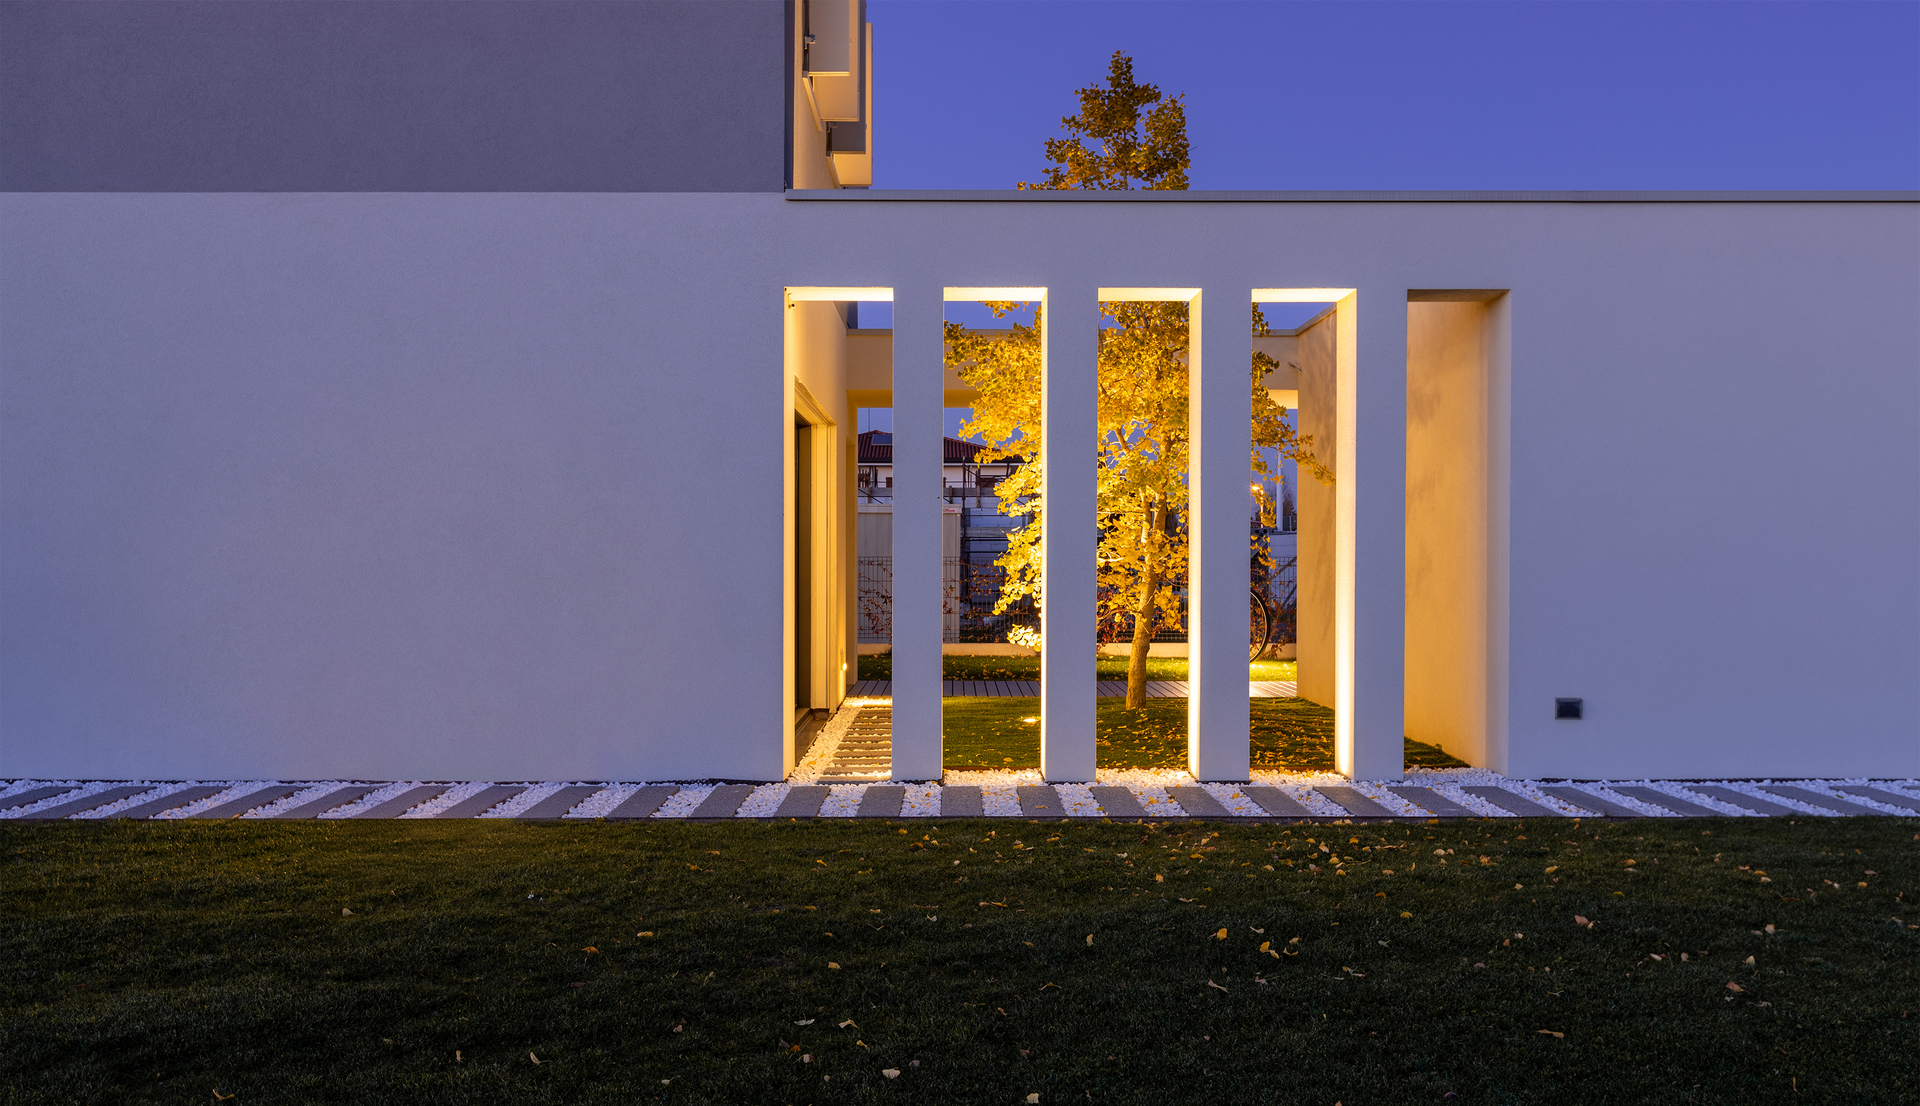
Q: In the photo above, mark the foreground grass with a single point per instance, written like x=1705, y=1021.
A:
x=1286, y=733
x=159, y=963
x=880, y=667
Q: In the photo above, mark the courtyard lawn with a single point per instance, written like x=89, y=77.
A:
x=879, y=666
x=496, y=961
x=1286, y=733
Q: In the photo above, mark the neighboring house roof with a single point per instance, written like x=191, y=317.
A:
x=876, y=448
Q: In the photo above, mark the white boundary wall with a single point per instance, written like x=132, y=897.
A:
x=482, y=485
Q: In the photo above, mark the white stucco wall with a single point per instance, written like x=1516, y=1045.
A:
x=409, y=485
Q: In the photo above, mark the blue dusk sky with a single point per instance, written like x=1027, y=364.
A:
x=1433, y=95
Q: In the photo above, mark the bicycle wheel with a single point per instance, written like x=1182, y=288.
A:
x=1259, y=625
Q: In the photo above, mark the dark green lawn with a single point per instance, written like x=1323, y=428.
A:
x=1286, y=733
x=173, y=963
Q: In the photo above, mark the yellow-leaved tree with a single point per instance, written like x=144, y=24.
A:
x=1126, y=135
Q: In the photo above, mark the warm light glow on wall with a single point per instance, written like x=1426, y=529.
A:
x=840, y=295
x=979, y=295
x=1147, y=295
x=1300, y=295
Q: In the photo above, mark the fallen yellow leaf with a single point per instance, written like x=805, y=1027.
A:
x=535, y=1059
x=1735, y=988
x=832, y=965
x=1748, y=961
x=222, y=1097
x=644, y=933
x=1089, y=940
x=589, y=948
x=890, y=1073
x=1220, y=936
x=1159, y=879
x=1551, y=1033
x=1217, y=987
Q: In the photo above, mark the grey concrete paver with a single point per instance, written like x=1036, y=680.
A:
x=1814, y=798
x=881, y=802
x=234, y=808
x=723, y=802
x=803, y=802
x=1745, y=801
x=405, y=801
x=557, y=804
x=484, y=800
x=1277, y=802
x=644, y=802
x=1432, y=801
x=1198, y=802
x=1356, y=804
x=1118, y=802
x=169, y=802
x=94, y=801
x=1586, y=800
x=962, y=802
x=1040, y=801
x=1655, y=797
x=1881, y=795
x=1513, y=804
x=38, y=794
x=332, y=800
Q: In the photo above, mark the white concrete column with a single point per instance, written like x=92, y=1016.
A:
x=1070, y=395
x=1220, y=415
x=919, y=427
x=1370, y=494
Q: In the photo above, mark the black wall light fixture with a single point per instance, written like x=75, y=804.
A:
x=1568, y=708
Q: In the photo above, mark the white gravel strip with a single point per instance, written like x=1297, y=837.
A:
x=1747, y=788
x=764, y=801
x=17, y=786
x=843, y=800
x=229, y=792
x=514, y=806
x=92, y=787
x=459, y=792
x=1078, y=800
x=132, y=801
x=1529, y=790
x=1156, y=802
x=306, y=794
x=682, y=804
x=1000, y=800
x=1304, y=794
x=922, y=801
x=602, y=802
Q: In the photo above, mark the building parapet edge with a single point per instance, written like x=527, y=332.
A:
x=1009, y=195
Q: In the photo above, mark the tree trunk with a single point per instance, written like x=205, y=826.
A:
x=1142, y=639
